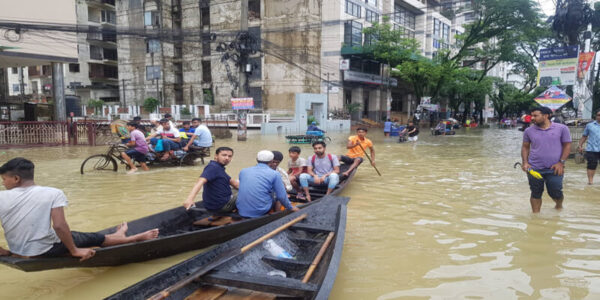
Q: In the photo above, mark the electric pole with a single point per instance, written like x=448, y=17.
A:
x=241, y=93
x=328, y=87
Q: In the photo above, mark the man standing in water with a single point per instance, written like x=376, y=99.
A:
x=591, y=134
x=545, y=148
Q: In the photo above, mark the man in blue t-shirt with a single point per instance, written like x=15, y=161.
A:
x=217, y=196
x=591, y=134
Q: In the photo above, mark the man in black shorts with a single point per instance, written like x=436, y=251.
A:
x=591, y=134
x=34, y=222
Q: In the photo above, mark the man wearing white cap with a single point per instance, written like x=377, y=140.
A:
x=257, y=185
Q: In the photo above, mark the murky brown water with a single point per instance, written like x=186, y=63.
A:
x=450, y=219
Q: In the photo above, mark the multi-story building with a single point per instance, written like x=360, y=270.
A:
x=187, y=51
x=95, y=76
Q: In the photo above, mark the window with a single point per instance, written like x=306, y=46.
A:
x=151, y=19
x=152, y=72
x=352, y=8
x=206, y=71
x=152, y=46
x=371, y=2
x=446, y=33
x=405, y=20
x=372, y=16
x=370, y=39
x=205, y=16
x=206, y=44
x=15, y=70
x=95, y=52
x=436, y=28
x=253, y=9
x=353, y=33
x=208, y=97
x=74, y=68
x=109, y=17
x=16, y=88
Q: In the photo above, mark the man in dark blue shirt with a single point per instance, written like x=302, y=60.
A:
x=217, y=196
x=257, y=185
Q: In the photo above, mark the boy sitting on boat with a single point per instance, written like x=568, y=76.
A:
x=296, y=166
x=34, y=220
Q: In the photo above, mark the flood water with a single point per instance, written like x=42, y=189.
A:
x=449, y=219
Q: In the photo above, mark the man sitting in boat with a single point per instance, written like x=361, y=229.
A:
x=257, y=185
x=217, y=196
x=323, y=169
x=354, y=156
x=201, y=138
x=34, y=222
x=138, y=151
x=274, y=164
x=313, y=129
x=170, y=139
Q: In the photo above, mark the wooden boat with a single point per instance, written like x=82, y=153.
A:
x=177, y=234
x=227, y=272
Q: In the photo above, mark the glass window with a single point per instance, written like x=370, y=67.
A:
x=352, y=8
x=152, y=72
x=372, y=16
x=152, y=46
x=405, y=20
x=446, y=33
x=74, y=68
x=353, y=33
x=16, y=87
x=436, y=28
x=151, y=18
x=371, y=2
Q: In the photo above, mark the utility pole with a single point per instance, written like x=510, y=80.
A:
x=242, y=129
x=328, y=87
x=123, y=84
x=22, y=83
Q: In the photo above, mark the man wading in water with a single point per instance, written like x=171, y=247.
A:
x=546, y=146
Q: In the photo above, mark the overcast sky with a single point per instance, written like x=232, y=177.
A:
x=548, y=6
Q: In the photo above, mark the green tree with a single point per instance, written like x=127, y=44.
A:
x=150, y=104
x=96, y=104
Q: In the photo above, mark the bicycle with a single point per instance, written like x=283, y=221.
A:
x=108, y=161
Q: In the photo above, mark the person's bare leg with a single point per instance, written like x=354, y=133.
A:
x=120, y=237
x=144, y=166
x=329, y=191
x=307, y=194
x=536, y=204
x=132, y=167
x=558, y=202
x=590, y=174
x=355, y=164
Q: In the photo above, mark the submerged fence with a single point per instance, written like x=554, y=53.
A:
x=54, y=133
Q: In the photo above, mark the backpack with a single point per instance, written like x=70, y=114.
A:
x=312, y=160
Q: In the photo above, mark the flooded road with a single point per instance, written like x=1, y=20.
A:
x=449, y=219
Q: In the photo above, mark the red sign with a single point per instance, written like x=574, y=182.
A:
x=585, y=60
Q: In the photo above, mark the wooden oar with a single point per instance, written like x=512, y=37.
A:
x=227, y=256
x=365, y=152
x=318, y=258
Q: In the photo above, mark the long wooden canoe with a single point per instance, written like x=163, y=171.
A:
x=177, y=235
x=257, y=274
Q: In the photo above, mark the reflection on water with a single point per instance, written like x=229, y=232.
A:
x=449, y=219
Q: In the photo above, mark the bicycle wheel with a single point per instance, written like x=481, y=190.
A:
x=98, y=163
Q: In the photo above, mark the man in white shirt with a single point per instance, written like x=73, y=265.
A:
x=34, y=222
x=170, y=139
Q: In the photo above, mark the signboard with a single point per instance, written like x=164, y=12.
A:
x=368, y=78
x=553, y=98
x=425, y=100
x=242, y=103
x=345, y=64
x=557, y=66
x=585, y=60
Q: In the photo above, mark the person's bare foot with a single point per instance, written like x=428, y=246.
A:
x=132, y=171
x=146, y=235
x=345, y=174
x=122, y=229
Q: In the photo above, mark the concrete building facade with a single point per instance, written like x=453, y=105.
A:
x=187, y=52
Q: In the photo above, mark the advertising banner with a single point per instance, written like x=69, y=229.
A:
x=558, y=66
x=553, y=98
x=585, y=60
x=242, y=103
